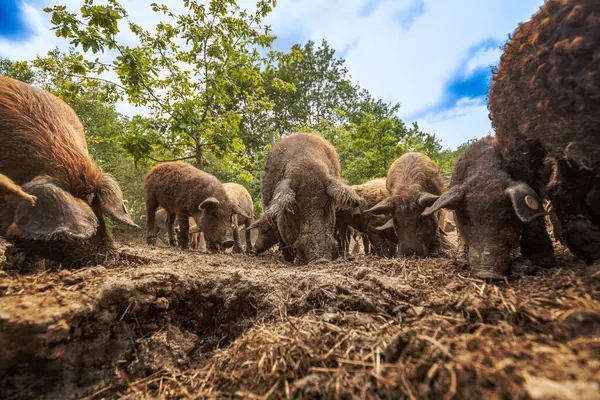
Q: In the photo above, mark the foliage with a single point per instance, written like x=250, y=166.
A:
x=319, y=83
x=318, y=95
x=17, y=70
x=196, y=73
x=447, y=158
x=214, y=95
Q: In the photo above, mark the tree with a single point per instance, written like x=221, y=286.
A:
x=319, y=85
x=197, y=73
x=19, y=70
x=447, y=158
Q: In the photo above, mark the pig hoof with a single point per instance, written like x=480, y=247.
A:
x=544, y=260
x=321, y=261
x=583, y=238
x=487, y=274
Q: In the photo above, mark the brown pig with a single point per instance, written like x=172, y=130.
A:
x=492, y=210
x=382, y=240
x=186, y=191
x=544, y=101
x=240, y=196
x=44, y=151
x=414, y=183
x=166, y=225
x=300, y=190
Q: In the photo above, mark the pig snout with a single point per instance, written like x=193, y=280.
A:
x=227, y=243
x=488, y=264
x=418, y=250
x=313, y=250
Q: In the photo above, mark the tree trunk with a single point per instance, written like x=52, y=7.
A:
x=199, y=159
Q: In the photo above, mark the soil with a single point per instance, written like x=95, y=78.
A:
x=196, y=325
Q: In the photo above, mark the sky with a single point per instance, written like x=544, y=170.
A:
x=434, y=57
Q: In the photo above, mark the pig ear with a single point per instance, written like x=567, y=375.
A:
x=209, y=204
x=451, y=199
x=526, y=203
x=427, y=199
x=112, y=202
x=388, y=225
x=344, y=197
x=56, y=214
x=284, y=199
x=385, y=206
x=238, y=210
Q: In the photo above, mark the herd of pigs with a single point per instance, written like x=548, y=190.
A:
x=544, y=105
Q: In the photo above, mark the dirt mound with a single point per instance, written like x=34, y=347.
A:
x=199, y=325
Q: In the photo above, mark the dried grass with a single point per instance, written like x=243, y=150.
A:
x=371, y=328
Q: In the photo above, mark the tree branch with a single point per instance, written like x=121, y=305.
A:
x=175, y=159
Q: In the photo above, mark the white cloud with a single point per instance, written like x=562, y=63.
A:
x=468, y=120
x=411, y=65
x=406, y=64
x=483, y=58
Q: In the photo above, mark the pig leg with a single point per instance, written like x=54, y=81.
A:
x=201, y=241
x=377, y=241
x=171, y=228
x=365, y=241
x=248, y=234
x=343, y=238
x=151, y=206
x=237, y=241
x=184, y=231
x=525, y=160
x=194, y=241
x=536, y=244
x=162, y=231
x=287, y=255
x=568, y=195
x=356, y=247
x=392, y=248
x=161, y=235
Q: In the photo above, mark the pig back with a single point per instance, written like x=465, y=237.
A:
x=41, y=135
x=180, y=187
x=414, y=168
x=239, y=195
x=303, y=156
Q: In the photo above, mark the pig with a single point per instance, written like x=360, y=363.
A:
x=239, y=195
x=300, y=191
x=164, y=225
x=162, y=222
x=543, y=101
x=414, y=183
x=491, y=210
x=195, y=236
x=186, y=191
x=382, y=241
x=45, y=154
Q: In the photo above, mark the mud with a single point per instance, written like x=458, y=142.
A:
x=196, y=325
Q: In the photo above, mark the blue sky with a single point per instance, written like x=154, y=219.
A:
x=434, y=57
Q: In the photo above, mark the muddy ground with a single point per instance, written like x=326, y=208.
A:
x=195, y=325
